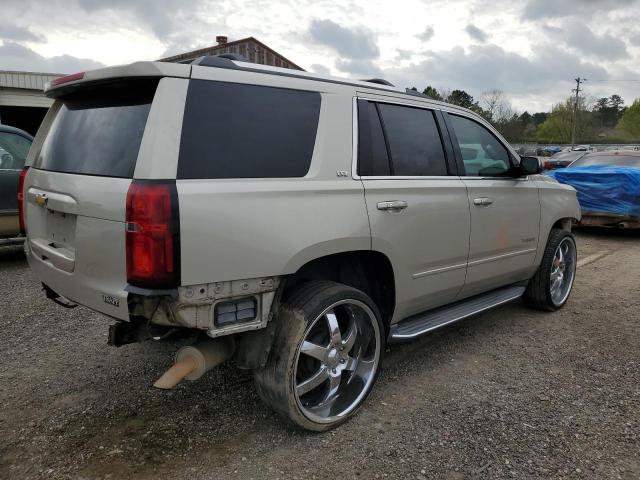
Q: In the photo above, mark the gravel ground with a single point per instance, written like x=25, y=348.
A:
x=512, y=393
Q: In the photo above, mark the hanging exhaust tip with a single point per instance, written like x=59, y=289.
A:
x=193, y=361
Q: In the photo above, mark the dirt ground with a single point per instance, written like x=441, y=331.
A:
x=512, y=393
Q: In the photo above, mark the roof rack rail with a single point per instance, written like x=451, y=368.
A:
x=379, y=81
x=228, y=60
x=415, y=93
x=224, y=60
x=234, y=56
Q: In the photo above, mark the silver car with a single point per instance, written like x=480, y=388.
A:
x=298, y=222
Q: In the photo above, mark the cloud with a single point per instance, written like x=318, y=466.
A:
x=9, y=31
x=538, y=9
x=321, y=69
x=427, y=35
x=359, y=68
x=403, y=54
x=163, y=17
x=357, y=43
x=635, y=39
x=476, y=33
x=14, y=56
x=580, y=37
x=486, y=67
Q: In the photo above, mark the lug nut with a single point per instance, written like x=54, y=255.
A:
x=342, y=360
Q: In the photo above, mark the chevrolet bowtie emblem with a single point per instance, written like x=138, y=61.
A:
x=41, y=199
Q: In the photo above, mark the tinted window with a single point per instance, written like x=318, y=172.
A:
x=617, y=160
x=13, y=151
x=99, y=132
x=483, y=155
x=414, y=141
x=232, y=130
x=372, y=151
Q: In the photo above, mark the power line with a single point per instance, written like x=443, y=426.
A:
x=617, y=80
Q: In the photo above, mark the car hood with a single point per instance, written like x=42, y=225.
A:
x=604, y=189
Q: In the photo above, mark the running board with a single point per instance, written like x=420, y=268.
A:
x=417, y=325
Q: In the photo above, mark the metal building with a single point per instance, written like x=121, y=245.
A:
x=252, y=49
x=22, y=101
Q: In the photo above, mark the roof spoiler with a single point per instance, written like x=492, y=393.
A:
x=63, y=85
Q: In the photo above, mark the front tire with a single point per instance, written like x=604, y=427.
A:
x=326, y=355
x=550, y=287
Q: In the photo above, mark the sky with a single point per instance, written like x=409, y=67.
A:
x=532, y=50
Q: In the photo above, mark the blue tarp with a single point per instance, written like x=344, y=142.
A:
x=604, y=189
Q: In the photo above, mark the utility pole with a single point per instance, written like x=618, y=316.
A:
x=574, y=117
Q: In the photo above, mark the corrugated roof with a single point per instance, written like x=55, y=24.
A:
x=26, y=80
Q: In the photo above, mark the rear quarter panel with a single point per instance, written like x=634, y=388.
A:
x=245, y=228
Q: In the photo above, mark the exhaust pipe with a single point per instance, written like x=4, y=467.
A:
x=193, y=361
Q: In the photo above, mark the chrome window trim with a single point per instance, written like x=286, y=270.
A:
x=518, y=179
x=354, y=152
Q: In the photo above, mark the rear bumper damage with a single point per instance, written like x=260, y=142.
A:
x=221, y=308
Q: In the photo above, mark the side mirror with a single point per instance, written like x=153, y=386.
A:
x=530, y=165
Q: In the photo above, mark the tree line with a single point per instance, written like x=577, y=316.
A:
x=602, y=120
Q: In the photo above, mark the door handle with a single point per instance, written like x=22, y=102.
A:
x=482, y=201
x=394, y=205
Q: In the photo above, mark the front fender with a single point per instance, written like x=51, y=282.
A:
x=557, y=202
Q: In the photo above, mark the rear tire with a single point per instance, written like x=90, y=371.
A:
x=551, y=286
x=326, y=355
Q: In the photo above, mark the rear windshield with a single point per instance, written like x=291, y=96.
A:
x=98, y=132
x=233, y=130
x=613, y=160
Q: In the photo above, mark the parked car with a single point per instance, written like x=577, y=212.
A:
x=14, y=146
x=608, y=186
x=562, y=160
x=271, y=211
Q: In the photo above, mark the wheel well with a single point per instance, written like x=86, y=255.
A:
x=368, y=271
x=564, y=224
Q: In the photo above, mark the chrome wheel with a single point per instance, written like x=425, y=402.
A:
x=337, y=360
x=563, y=271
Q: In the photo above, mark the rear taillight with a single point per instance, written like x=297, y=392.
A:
x=67, y=78
x=152, y=234
x=548, y=165
x=23, y=175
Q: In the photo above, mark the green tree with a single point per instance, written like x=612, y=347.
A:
x=539, y=118
x=461, y=98
x=432, y=93
x=557, y=127
x=601, y=110
x=630, y=121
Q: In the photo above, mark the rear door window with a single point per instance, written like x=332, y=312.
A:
x=413, y=140
x=482, y=153
x=98, y=131
x=373, y=159
x=233, y=130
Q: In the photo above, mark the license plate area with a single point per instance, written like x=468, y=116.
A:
x=61, y=228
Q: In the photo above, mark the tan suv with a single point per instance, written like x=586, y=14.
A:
x=297, y=222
